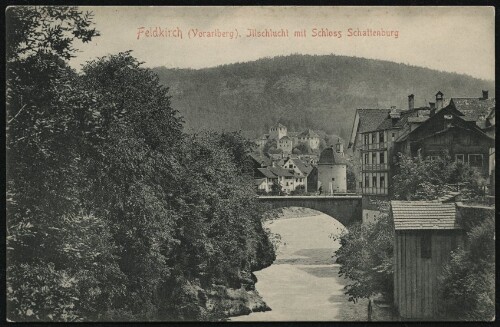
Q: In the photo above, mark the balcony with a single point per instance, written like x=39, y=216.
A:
x=374, y=146
x=375, y=191
x=377, y=167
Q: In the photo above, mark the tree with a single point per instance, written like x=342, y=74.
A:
x=426, y=179
x=303, y=147
x=34, y=30
x=365, y=258
x=467, y=282
x=276, y=188
x=108, y=199
x=270, y=144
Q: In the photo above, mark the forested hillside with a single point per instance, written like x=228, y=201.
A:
x=303, y=91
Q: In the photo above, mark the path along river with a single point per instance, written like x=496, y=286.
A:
x=303, y=283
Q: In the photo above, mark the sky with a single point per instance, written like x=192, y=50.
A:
x=453, y=39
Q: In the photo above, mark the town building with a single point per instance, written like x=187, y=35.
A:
x=253, y=162
x=379, y=134
x=277, y=131
x=448, y=132
x=264, y=180
x=301, y=171
x=309, y=137
x=425, y=234
x=332, y=170
x=261, y=141
x=285, y=144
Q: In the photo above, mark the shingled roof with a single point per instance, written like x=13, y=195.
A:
x=420, y=215
x=473, y=108
x=308, y=133
x=260, y=159
x=266, y=172
x=278, y=171
x=370, y=119
x=305, y=168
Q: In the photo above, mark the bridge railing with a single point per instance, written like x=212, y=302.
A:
x=322, y=196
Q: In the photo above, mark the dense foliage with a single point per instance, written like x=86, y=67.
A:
x=468, y=280
x=467, y=284
x=424, y=179
x=320, y=92
x=365, y=258
x=113, y=212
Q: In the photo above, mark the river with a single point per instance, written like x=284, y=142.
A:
x=303, y=283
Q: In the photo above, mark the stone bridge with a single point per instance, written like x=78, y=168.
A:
x=345, y=208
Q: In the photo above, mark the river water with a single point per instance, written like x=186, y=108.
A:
x=303, y=283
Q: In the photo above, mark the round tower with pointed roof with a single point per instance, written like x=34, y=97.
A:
x=332, y=170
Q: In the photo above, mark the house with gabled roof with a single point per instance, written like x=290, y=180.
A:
x=449, y=130
x=300, y=169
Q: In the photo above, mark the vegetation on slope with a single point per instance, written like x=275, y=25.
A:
x=304, y=91
x=113, y=212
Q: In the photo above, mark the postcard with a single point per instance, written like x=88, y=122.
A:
x=253, y=163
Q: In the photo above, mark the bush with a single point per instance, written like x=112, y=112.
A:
x=468, y=281
x=365, y=258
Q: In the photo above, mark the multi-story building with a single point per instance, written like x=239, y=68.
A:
x=285, y=144
x=448, y=131
x=379, y=134
x=310, y=137
x=301, y=171
x=277, y=132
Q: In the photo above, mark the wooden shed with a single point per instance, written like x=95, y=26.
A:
x=425, y=234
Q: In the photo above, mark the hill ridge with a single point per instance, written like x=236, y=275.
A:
x=304, y=91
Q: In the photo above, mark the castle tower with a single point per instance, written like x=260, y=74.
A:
x=332, y=170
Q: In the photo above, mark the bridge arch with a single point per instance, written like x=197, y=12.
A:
x=344, y=208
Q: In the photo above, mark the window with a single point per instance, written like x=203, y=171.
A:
x=382, y=181
x=382, y=157
x=426, y=245
x=475, y=160
x=290, y=166
x=374, y=181
x=296, y=180
x=367, y=139
x=374, y=157
x=381, y=137
x=333, y=179
x=374, y=137
x=366, y=158
x=367, y=181
x=393, y=136
x=460, y=158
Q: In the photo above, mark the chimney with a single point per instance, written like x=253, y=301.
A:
x=339, y=146
x=439, y=100
x=411, y=102
x=485, y=94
